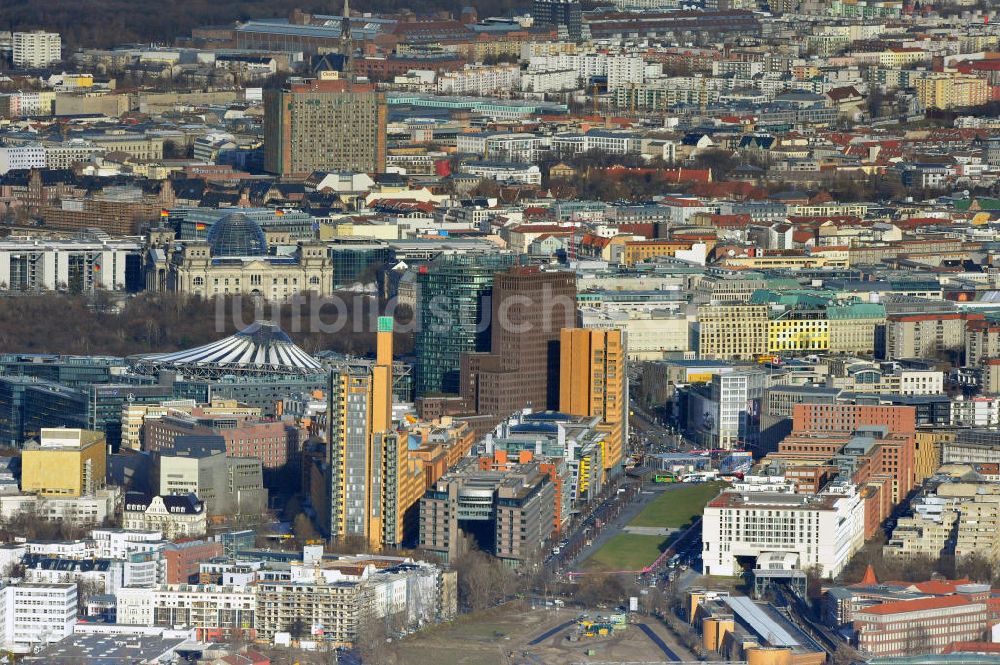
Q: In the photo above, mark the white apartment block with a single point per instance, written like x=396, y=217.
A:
x=36, y=49
x=506, y=146
x=119, y=543
x=975, y=412
x=620, y=70
x=104, y=575
x=35, y=614
x=624, y=71
x=612, y=142
x=742, y=68
x=901, y=382
x=586, y=65
x=22, y=158
x=134, y=606
x=551, y=80
x=526, y=174
x=66, y=549
x=209, y=609
x=609, y=141
x=480, y=80
x=822, y=529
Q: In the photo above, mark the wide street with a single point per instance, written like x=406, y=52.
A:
x=628, y=512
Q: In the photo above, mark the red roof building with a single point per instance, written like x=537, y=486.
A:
x=924, y=625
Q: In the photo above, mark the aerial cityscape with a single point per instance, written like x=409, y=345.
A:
x=552, y=332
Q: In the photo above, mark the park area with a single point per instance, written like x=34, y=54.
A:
x=674, y=509
x=678, y=507
x=627, y=551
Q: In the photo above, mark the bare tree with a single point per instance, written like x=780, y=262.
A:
x=372, y=641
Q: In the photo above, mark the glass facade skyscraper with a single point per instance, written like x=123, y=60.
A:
x=354, y=263
x=452, y=299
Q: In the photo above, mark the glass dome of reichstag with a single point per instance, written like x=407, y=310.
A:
x=237, y=235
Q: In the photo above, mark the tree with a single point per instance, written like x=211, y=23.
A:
x=85, y=590
x=304, y=529
x=976, y=567
x=483, y=580
x=372, y=640
x=600, y=589
x=298, y=628
x=814, y=582
x=876, y=98
x=172, y=151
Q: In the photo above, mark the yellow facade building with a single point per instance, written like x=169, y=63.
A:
x=732, y=331
x=791, y=333
x=946, y=91
x=373, y=481
x=790, y=261
x=637, y=251
x=927, y=452
x=64, y=463
x=592, y=382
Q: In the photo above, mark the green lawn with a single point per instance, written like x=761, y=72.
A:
x=627, y=551
x=676, y=508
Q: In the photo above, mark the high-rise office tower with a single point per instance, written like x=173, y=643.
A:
x=592, y=382
x=324, y=125
x=372, y=484
x=529, y=309
x=453, y=295
x=559, y=13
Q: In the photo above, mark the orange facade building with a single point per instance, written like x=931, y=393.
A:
x=592, y=382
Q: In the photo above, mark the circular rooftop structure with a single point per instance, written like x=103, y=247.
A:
x=237, y=235
x=260, y=349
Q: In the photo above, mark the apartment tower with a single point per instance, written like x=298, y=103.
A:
x=324, y=125
x=372, y=482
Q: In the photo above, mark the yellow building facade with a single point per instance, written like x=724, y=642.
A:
x=790, y=334
x=64, y=463
x=732, y=331
x=373, y=482
x=945, y=91
x=927, y=452
x=592, y=382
